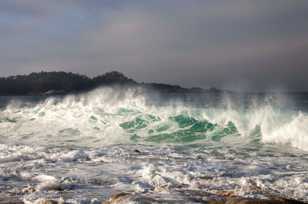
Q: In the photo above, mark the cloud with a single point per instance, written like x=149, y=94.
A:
x=199, y=42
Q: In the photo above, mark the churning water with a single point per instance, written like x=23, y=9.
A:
x=84, y=148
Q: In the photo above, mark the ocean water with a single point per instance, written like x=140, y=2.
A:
x=153, y=148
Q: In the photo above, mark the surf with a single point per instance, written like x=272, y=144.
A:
x=115, y=115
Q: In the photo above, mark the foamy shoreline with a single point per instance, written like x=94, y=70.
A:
x=125, y=198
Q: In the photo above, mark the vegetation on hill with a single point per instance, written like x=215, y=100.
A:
x=48, y=83
x=57, y=82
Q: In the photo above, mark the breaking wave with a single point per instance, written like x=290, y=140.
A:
x=133, y=115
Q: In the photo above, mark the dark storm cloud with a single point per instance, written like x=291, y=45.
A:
x=243, y=43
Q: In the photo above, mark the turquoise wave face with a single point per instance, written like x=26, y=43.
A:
x=108, y=116
x=175, y=129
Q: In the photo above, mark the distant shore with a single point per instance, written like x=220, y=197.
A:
x=60, y=83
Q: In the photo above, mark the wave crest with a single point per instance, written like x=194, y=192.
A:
x=135, y=115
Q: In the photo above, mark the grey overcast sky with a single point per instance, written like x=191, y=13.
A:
x=234, y=44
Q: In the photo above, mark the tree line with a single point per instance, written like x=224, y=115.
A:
x=58, y=82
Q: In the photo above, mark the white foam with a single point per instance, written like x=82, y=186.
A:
x=93, y=119
x=46, y=182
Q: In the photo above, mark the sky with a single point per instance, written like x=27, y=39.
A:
x=237, y=45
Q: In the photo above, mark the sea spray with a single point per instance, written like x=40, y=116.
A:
x=134, y=115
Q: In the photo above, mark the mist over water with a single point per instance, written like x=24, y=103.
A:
x=118, y=116
x=86, y=147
